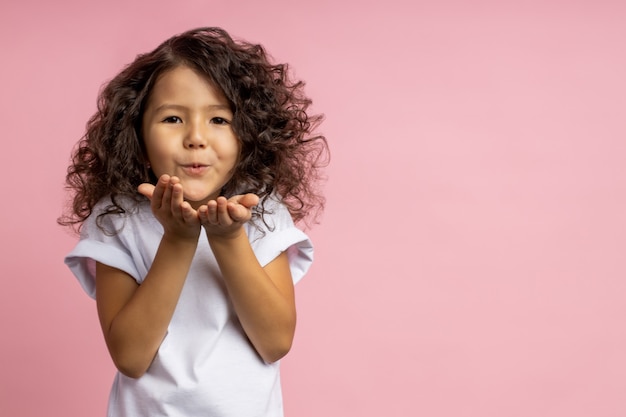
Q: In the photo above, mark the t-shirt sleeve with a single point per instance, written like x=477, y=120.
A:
x=96, y=246
x=282, y=235
x=120, y=248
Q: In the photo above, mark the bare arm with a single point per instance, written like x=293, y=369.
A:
x=262, y=297
x=135, y=318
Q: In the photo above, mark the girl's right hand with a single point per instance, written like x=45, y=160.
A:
x=176, y=216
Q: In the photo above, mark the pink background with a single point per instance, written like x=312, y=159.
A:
x=471, y=261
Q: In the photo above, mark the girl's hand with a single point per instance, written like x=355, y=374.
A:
x=176, y=216
x=224, y=218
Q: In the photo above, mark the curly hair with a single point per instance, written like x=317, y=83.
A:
x=280, y=152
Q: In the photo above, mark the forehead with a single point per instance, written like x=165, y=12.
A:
x=183, y=83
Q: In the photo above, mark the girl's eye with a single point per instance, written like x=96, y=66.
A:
x=172, y=119
x=219, y=121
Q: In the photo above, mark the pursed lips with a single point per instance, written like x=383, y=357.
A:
x=195, y=168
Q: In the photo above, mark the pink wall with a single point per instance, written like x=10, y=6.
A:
x=471, y=261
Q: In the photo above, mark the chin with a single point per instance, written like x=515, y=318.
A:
x=197, y=200
x=199, y=195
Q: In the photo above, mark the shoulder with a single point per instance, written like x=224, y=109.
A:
x=274, y=215
x=111, y=217
x=121, y=240
x=275, y=233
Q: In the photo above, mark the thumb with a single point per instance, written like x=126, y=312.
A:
x=146, y=190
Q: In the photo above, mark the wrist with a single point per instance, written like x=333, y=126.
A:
x=225, y=236
x=180, y=240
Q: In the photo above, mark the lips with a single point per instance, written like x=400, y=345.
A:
x=195, y=169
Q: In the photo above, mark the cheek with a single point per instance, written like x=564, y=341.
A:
x=155, y=146
x=152, y=154
x=231, y=160
x=230, y=151
x=157, y=160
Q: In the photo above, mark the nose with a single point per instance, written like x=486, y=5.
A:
x=197, y=135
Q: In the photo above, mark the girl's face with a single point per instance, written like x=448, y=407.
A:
x=188, y=133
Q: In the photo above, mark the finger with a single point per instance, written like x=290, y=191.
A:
x=238, y=213
x=223, y=216
x=159, y=190
x=211, y=212
x=176, y=204
x=166, y=199
x=189, y=214
x=247, y=200
x=176, y=196
x=146, y=190
x=203, y=214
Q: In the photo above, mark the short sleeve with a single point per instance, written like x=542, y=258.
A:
x=97, y=246
x=280, y=235
x=132, y=240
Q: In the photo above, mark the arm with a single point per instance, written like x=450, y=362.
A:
x=263, y=298
x=134, y=318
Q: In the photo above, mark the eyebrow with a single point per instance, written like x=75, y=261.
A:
x=167, y=106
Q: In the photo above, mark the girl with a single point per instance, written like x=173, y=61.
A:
x=185, y=190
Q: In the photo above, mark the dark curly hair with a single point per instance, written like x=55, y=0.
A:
x=280, y=153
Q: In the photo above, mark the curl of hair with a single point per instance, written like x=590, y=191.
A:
x=280, y=155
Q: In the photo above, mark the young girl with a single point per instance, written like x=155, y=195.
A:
x=185, y=188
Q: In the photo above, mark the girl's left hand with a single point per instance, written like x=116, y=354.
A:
x=224, y=217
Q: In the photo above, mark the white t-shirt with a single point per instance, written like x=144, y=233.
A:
x=205, y=365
